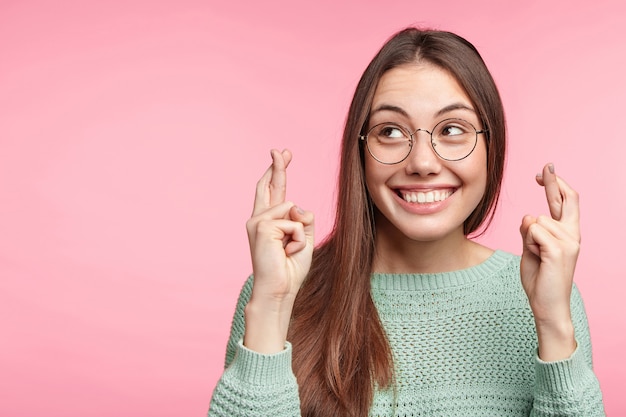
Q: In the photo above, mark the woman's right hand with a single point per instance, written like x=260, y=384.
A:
x=281, y=245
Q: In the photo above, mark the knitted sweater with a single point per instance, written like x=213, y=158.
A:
x=464, y=344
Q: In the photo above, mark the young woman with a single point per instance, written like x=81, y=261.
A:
x=398, y=312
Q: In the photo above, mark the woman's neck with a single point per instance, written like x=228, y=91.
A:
x=396, y=253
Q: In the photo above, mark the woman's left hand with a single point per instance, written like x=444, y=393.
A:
x=550, y=249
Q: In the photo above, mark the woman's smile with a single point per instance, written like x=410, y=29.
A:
x=425, y=197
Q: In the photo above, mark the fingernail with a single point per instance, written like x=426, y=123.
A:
x=299, y=210
x=539, y=175
x=551, y=168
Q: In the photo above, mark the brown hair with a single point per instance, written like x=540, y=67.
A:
x=340, y=350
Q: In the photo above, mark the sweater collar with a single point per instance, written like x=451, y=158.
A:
x=420, y=282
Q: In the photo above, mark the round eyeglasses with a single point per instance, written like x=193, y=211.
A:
x=451, y=139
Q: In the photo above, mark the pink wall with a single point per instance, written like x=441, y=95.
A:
x=132, y=134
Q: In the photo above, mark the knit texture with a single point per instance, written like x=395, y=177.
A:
x=464, y=344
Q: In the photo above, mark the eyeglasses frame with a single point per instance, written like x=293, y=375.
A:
x=412, y=140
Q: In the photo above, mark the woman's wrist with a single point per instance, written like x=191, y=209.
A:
x=556, y=340
x=267, y=324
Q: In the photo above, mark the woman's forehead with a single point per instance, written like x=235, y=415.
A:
x=419, y=89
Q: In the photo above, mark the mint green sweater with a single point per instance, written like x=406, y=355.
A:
x=464, y=344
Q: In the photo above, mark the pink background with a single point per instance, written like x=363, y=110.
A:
x=132, y=134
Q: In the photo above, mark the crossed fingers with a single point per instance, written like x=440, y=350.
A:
x=272, y=187
x=562, y=199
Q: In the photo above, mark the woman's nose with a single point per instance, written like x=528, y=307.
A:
x=422, y=160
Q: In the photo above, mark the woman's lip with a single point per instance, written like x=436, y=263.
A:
x=425, y=195
x=423, y=187
x=423, y=206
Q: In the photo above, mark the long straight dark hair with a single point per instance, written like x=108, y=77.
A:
x=340, y=350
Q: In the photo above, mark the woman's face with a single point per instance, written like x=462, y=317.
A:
x=425, y=198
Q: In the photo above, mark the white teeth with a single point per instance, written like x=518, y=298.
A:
x=426, y=197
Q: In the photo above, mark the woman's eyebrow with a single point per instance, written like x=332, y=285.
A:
x=452, y=107
x=447, y=109
x=389, y=107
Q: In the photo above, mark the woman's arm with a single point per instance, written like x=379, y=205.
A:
x=569, y=387
x=281, y=247
x=565, y=384
x=550, y=251
x=254, y=384
x=258, y=379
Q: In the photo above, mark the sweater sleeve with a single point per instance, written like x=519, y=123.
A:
x=254, y=384
x=569, y=387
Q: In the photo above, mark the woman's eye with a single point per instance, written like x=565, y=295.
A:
x=452, y=131
x=392, y=132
